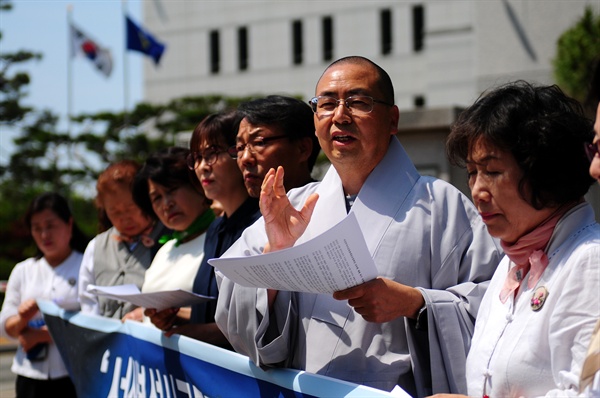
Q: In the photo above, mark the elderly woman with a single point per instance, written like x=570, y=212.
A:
x=590, y=373
x=522, y=147
x=122, y=253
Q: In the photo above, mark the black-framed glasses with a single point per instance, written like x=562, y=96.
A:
x=324, y=105
x=591, y=150
x=210, y=156
x=256, y=146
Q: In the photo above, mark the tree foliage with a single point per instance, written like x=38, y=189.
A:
x=577, y=51
x=147, y=128
x=47, y=158
x=13, y=85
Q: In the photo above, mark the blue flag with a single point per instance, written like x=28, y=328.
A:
x=142, y=41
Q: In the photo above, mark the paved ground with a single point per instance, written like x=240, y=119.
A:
x=7, y=378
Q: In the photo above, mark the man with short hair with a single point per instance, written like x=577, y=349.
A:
x=412, y=325
x=275, y=131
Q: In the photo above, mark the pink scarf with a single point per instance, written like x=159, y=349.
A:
x=528, y=255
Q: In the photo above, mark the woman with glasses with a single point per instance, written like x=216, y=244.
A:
x=221, y=181
x=169, y=191
x=522, y=147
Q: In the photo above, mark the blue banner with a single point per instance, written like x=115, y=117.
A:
x=108, y=358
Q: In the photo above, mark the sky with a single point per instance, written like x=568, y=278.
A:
x=42, y=26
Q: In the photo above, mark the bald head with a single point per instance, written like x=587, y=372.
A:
x=384, y=82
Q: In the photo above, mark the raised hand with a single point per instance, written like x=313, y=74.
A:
x=283, y=223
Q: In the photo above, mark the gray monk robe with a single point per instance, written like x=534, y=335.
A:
x=421, y=232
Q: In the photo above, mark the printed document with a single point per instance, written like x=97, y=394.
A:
x=157, y=300
x=335, y=260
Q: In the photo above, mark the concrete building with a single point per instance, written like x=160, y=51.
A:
x=440, y=54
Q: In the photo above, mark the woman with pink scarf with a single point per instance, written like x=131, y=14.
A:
x=590, y=373
x=522, y=146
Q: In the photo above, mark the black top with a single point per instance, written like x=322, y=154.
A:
x=221, y=234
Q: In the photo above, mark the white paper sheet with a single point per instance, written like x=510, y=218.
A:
x=332, y=261
x=157, y=300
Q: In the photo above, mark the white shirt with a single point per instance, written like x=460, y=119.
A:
x=36, y=279
x=175, y=267
x=88, y=301
x=517, y=351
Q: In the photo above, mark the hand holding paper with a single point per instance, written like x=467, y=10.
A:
x=333, y=261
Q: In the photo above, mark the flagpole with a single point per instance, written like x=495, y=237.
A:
x=125, y=71
x=69, y=69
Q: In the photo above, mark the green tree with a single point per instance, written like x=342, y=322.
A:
x=577, y=50
x=68, y=162
x=13, y=85
x=47, y=159
x=147, y=128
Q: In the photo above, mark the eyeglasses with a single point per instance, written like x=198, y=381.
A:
x=356, y=104
x=257, y=146
x=591, y=150
x=210, y=156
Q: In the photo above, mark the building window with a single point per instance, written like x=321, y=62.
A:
x=327, y=25
x=215, y=53
x=243, y=48
x=385, y=19
x=419, y=101
x=297, y=42
x=418, y=20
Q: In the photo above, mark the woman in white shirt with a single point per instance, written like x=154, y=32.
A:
x=50, y=275
x=222, y=181
x=523, y=149
x=166, y=188
x=590, y=374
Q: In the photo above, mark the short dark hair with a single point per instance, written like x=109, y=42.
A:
x=543, y=129
x=291, y=116
x=385, y=84
x=58, y=205
x=167, y=167
x=216, y=127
